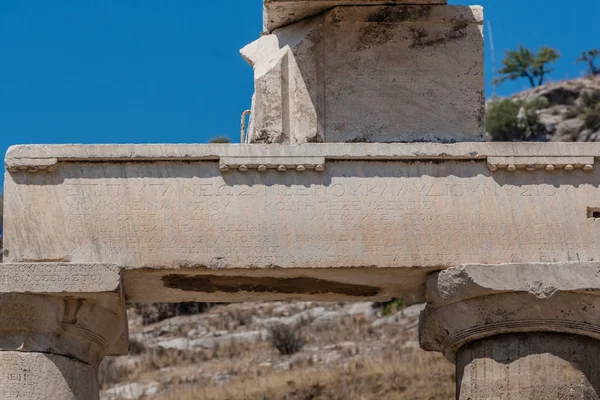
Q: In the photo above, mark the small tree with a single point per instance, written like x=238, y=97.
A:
x=589, y=57
x=523, y=63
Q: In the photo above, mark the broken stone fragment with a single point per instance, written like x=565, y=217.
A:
x=371, y=74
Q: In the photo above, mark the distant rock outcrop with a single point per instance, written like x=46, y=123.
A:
x=567, y=111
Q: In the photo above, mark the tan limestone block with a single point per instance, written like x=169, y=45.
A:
x=473, y=302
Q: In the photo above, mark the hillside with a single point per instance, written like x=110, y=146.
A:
x=350, y=351
x=567, y=111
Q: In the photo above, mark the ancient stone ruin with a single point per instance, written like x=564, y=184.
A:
x=500, y=239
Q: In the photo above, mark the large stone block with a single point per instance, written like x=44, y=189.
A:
x=318, y=221
x=371, y=74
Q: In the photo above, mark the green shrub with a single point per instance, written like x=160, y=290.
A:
x=509, y=120
x=592, y=119
x=390, y=307
x=502, y=119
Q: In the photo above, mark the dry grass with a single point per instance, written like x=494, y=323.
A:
x=343, y=358
x=397, y=376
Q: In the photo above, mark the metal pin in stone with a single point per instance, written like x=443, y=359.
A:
x=588, y=167
x=511, y=168
x=320, y=168
x=262, y=168
x=224, y=167
x=282, y=168
x=550, y=167
x=493, y=167
x=569, y=167
x=243, y=168
x=300, y=168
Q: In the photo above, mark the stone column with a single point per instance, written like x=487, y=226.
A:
x=527, y=331
x=57, y=322
x=529, y=366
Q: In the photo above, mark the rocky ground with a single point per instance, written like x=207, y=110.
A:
x=349, y=351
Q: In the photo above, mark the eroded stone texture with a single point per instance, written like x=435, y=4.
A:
x=38, y=376
x=278, y=13
x=473, y=302
x=532, y=366
x=371, y=74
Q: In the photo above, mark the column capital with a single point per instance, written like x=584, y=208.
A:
x=473, y=302
x=72, y=310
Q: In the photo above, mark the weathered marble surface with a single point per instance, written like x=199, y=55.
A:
x=372, y=224
x=37, y=376
x=371, y=74
x=278, y=13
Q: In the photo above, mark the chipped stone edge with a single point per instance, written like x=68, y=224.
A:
x=280, y=13
x=31, y=156
x=476, y=301
x=469, y=281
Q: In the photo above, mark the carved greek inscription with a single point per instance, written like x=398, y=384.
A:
x=42, y=277
x=381, y=219
x=20, y=376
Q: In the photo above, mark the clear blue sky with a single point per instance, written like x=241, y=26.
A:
x=134, y=71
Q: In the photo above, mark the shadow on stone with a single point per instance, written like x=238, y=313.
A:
x=529, y=366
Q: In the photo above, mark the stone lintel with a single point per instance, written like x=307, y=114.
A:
x=370, y=226
x=473, y=302
x=278, y=13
